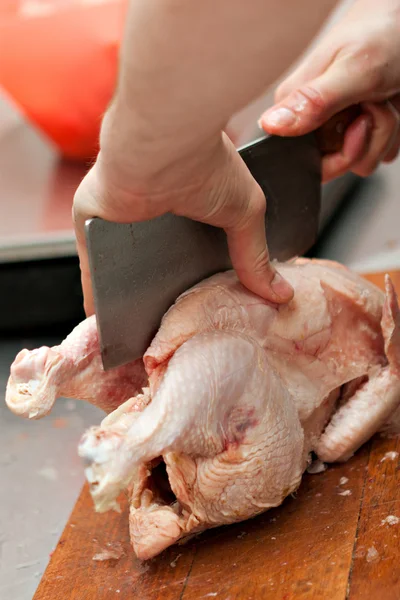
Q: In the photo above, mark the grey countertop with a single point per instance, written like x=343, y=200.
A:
x=40, y=475
x=365, y=235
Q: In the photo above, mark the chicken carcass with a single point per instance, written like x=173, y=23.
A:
x=218, y=421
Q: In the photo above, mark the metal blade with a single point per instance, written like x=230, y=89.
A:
x=138, y=270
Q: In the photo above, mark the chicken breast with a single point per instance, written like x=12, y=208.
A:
x=217, y=422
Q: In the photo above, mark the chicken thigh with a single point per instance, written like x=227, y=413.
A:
x=218, y=421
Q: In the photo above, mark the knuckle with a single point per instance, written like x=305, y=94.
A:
x=329, y=173
x=78, y=196
x=393, y=153
x=313, y=97
x=258, y=203
x=253, y=210
x=261, y=262
x=309, y=100
x=387, y=119
x=282, y=90
x=370, y=59
x=78, y=208
x=364, y=169
x=335, y=166
x=220, y=209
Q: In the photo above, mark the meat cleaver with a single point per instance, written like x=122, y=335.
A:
x=139, y=269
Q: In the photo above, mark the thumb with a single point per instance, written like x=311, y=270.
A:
x=314, y=103
x=250, y=258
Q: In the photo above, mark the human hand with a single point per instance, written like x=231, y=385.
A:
x=357, y=63
x=213, y=187
x=162, y=146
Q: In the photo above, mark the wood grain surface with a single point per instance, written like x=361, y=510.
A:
x=319, y=544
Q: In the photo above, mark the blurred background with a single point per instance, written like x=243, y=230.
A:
x=58, y=61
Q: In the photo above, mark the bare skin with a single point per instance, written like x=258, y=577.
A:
x=357, y=62
x=162, y=145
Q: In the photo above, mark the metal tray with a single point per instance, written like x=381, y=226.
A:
x=39, y=271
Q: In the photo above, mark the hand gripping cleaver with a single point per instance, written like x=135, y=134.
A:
x=138, y=270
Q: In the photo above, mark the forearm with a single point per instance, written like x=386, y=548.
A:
x=187, y=66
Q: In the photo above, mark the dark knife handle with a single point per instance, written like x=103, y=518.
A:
x=288, y=170
x=330, y=135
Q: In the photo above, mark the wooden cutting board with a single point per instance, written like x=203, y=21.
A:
x=333, y=541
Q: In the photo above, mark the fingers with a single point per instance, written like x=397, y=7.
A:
x=354, y=147
x=308, y=70
x=305, y=109
x=231, y=199
x=369, y=140
x=249, y=253
x=330, y=136
x=385, y=130
x=81, y=211
x=393, y=151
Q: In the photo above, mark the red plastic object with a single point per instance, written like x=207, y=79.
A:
x=59, y=64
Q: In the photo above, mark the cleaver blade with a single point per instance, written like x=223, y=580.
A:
x=139, y=269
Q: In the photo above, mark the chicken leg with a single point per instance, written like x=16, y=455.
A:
x=375, y=401
x=222, y=419
x=73, y=369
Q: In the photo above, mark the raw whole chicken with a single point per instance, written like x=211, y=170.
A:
x=218, y=421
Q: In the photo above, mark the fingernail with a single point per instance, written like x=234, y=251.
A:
x=279, y=117
x=281, y=287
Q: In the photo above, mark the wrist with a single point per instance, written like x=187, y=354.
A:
x=122, y=135
x=134, y=152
